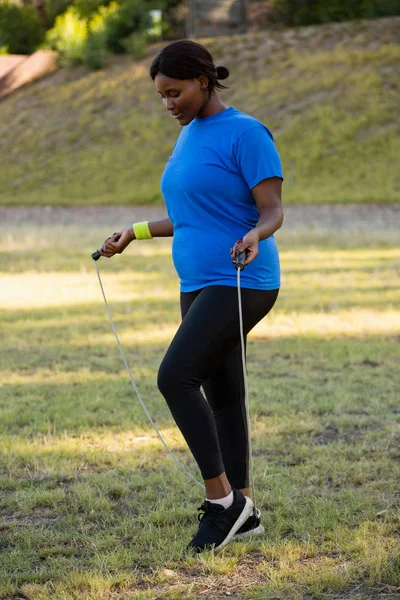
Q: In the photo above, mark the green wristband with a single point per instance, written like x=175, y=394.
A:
x=142, y=231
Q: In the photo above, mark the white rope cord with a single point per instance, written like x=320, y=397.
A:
x=144, y=406
x=135, y=386
x=246, y=393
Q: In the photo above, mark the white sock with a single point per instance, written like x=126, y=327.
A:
x=225, y=502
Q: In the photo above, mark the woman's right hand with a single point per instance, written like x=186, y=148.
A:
x=117, y=243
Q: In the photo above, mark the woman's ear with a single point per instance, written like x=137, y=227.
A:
x=203, y=80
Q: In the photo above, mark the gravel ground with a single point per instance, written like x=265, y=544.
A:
x=361, y=217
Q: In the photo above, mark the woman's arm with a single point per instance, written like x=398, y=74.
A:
x=268, y=197
x=117, y=243
x=163, y=228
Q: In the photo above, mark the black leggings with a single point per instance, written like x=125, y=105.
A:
x=206, y=352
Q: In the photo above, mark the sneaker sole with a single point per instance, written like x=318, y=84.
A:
x=246, y=512
x=256, y=531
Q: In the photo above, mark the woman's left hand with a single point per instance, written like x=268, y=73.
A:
x=250, y=243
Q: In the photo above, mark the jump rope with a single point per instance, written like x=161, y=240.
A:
x=239, y=266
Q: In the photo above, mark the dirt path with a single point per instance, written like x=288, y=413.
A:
x=364, y=217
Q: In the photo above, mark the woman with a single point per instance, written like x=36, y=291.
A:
x=221, y=184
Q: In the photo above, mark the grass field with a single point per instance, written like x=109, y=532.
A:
x=329, y=94
x=93, y=508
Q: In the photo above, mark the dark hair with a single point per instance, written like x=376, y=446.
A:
x=185, y=59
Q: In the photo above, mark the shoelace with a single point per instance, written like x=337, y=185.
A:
x=206, y=511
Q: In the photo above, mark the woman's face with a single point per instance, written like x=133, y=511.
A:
x=183, y=98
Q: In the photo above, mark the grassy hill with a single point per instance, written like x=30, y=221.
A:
x=328, y=93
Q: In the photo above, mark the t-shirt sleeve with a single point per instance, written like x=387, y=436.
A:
x=256, y=156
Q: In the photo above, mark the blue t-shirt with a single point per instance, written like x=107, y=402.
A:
x=206, y=184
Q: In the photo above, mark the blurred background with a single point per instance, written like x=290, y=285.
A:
x=323, y=76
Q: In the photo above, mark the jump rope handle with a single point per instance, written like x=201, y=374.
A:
x=241, y=257
x=96, y=255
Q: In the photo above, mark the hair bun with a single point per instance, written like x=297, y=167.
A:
x=222, y=72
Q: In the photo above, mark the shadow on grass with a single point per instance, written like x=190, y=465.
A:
x=80, y=388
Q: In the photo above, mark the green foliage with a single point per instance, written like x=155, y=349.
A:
x=156, y=30
x=54, y=8
x=68, y=37
x=4, y=50
x=87, y=8
x=116, y=28
x=132, y=16
x=308, y=12
x=136, y=44
x=95, y=50
x=20, y=28
x=84, y=8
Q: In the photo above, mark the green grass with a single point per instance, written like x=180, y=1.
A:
x=92, y=506
x=103, y=138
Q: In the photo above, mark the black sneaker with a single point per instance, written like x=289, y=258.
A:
x=218, y=525
x=251, y=527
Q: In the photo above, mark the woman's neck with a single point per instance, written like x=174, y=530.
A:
x=212, y=107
